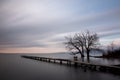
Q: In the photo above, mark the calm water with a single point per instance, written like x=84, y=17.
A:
x=13, y=67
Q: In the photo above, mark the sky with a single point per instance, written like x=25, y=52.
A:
x=40, y=26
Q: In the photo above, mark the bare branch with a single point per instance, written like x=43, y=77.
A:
x=82, y=42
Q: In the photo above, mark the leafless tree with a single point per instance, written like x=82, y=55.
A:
x=73, y=45
x=90, y=41
x=111, y=47
x=82, y=42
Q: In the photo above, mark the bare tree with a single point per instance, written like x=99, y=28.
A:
x=90, y=41
x=111, y=47
x=73, y=45
x=82, y=42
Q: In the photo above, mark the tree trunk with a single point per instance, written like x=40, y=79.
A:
x=82, y=57
x=88, y=56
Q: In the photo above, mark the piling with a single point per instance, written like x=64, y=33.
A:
x=75, y=59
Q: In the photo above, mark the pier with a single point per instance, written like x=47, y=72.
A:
x=95, y=67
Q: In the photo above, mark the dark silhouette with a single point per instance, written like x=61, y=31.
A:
x=81, y=43
x=74, y=45
x=112, y=54
x=90, y=41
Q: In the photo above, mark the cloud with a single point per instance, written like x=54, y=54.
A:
x=109, y=33
x=44, y=23
x=117, y=42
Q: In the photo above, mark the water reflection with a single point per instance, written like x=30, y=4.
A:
x=103, y=61
x=13, y=67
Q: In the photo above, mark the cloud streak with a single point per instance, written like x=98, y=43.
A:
x=44, y=23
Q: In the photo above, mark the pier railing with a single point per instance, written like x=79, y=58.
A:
x=91, y=66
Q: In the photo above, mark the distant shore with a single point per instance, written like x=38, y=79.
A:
x=107, y=57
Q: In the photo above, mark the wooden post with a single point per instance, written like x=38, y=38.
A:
x=54, y=60
x=40, y=59
x=60, y=61
x=75, y=59
x=49, y=60
x=69, y=62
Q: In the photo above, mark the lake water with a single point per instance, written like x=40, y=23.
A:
x=13, y=67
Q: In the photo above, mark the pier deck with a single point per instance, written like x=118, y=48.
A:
x=91, y=66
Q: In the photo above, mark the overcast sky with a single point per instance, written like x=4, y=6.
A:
x=39, y=26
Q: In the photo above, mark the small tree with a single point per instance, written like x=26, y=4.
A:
x=82, y=42
x=111, y=47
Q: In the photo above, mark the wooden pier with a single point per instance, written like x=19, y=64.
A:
x=96, y=67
